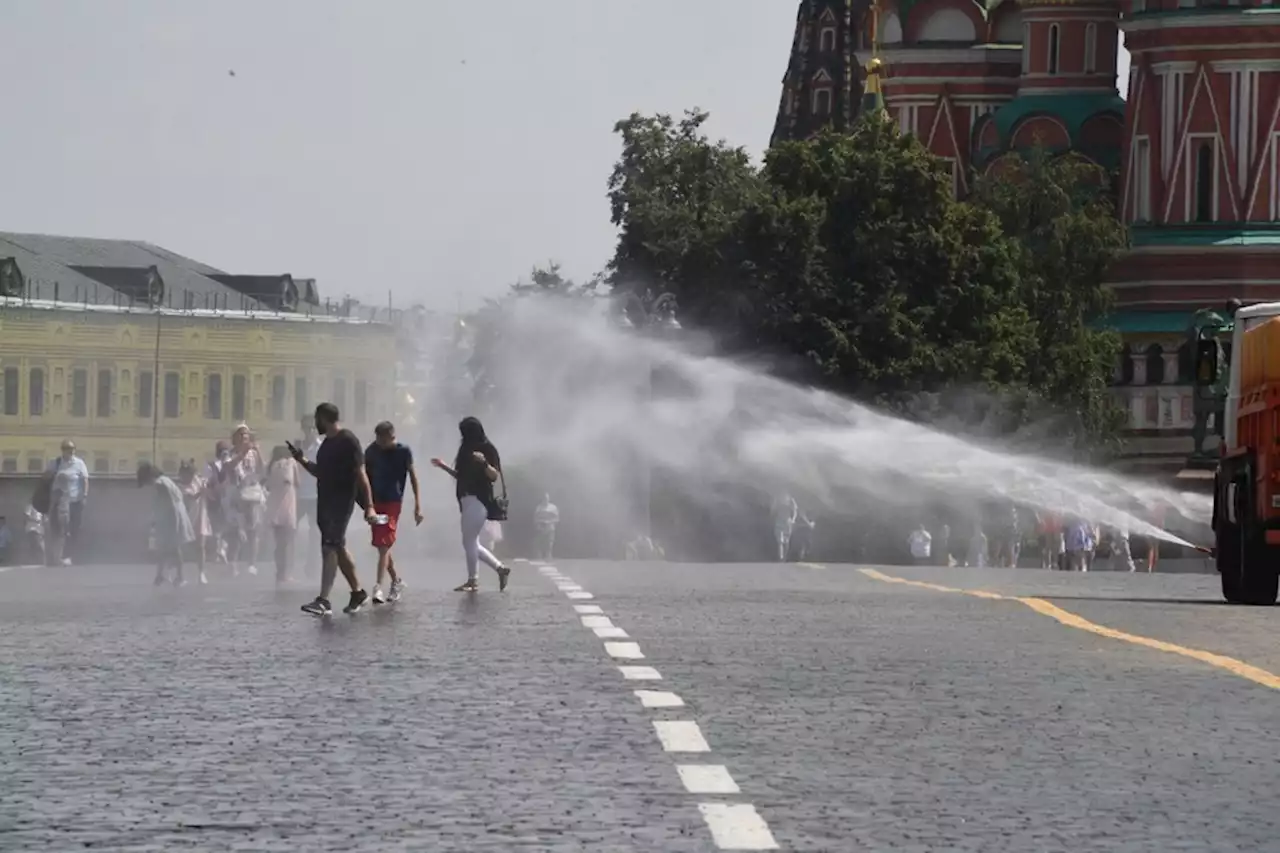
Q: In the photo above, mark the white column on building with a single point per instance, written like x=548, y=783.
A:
x=1170, y=365
x=1138, y=355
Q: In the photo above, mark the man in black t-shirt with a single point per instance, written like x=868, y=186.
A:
x=341, y=482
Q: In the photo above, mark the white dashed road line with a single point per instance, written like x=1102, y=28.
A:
x=681, y=736
x=626, y=651
x=737, y=826
x=659, y=699
x=734, y=826
x=707, y=779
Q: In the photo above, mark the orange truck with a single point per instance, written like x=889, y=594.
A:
x=1246, y=494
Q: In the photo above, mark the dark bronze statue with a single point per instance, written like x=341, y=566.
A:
x=1209, y=335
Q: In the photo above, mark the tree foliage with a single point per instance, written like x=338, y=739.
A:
x=850, y=253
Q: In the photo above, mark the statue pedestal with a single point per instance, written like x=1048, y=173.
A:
x=1202, y=461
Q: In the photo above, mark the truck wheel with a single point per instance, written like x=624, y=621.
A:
x=1254, y=579
x=1231, y=584
x=1260, y=586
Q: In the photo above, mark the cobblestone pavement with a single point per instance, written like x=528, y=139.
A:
x=853, y=714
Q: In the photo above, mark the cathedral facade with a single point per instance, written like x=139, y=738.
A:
x=1194, y=142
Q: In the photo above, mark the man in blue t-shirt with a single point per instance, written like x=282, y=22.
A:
x=388, y=464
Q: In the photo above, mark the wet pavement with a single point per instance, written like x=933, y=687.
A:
x=845, y=712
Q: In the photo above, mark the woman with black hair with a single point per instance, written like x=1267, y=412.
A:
x=476, y=468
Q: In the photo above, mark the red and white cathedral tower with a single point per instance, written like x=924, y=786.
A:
x=948, y=64
x=1067, y=98
x=1201, y=181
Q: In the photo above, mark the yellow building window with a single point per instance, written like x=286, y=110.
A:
x=79, y=392
x=172, y=394
x=104, y=393
x=146, y=393
x=11, y=390
x=239, y=398
x=277, y=398
x=362, y=401
x=35, y=392
x=302, y=405
x=339, y=393
x=213, y=396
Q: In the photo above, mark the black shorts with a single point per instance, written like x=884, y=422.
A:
x=332, y=518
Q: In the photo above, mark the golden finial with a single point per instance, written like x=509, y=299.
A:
x=875, y=65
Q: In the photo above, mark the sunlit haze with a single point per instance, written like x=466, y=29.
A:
x=434, y=150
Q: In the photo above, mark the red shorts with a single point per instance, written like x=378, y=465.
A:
x=384, y=535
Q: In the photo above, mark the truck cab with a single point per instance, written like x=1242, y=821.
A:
x=1246, y=494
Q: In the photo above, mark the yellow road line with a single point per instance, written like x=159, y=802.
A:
x=1236, y=667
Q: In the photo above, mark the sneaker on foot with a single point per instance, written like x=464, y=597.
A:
x=203, y=579
x=378, y=597
x=358, y=598
x=469, y=586
x=159, y=579
x=504, y=574
x=397, y=588
x=319, y=607
x=253, y=570
x=66, y=561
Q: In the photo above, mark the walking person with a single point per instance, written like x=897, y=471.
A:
x=545, y=519
x=215, y=501
x=785, y=512
x=341, y=481
x=282, y=509
x=244, y=473
x=388, y=463
x=921, y=545
x=68, y=493
x=170, y=523
x=193, y=488
x=1121, y=553
x=475, y=469
x=309, y=444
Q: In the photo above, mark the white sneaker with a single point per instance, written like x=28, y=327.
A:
x=378, y=597
x=203, y=579
x=253, y=570
x=397, y=587
x=66, y=561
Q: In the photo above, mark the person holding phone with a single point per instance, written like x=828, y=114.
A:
x=341, y=482
x=475, y=469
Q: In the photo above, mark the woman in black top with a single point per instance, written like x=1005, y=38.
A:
x=475, y=469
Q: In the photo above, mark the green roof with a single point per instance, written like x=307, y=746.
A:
x=1191, y=12
x=1230, y=234
x=1127, y=322
x=1074, y=108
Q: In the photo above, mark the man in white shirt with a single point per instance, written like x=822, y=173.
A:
x=785, y=512
x=545, y=519
x=921, y=544
x=68, y=494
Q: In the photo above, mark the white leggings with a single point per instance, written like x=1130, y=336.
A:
x=474, y=516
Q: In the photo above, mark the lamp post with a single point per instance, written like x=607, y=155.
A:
x=658, y=319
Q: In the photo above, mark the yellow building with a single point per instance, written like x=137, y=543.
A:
x=139, y=372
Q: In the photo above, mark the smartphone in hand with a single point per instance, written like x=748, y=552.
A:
x=293, y=451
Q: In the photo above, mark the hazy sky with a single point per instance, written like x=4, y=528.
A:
x=436, y=149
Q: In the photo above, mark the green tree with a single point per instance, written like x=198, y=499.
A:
x=1061, y=218
x=850, y=253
